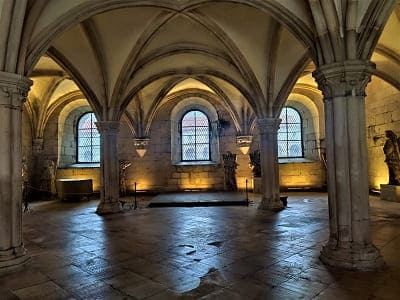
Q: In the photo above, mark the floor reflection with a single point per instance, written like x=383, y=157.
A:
x=190, y=253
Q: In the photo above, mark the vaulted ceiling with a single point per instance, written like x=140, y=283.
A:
x=129, y=56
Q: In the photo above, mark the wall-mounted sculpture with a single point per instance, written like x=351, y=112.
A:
x=392, y=157
x=48, y=179
x=230, y=166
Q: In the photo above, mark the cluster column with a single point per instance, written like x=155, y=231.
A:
x=268, y=128
x=13, y=91
x=109, y=167
x=343, y=86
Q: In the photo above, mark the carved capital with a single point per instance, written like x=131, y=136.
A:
x=268, y=125
x=244, y=142
x=14, y=89
x=108, y=127
x=344, y=79
x=141, y=143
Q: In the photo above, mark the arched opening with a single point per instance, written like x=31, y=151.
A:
x=195, y=136
x=88, y=139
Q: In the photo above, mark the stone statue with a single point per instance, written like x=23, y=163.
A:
x=392, y=157
x=123, y=165
x=49, y=177
x=255, y=163
x=25, y=184
x=230, y=166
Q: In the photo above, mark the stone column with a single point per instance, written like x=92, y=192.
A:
x=268, y=128
x=109, y=167
x=13, y=90
x=343, y=86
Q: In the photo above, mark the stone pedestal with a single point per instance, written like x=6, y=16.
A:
x=109, y=167
x=268, y=129
x=13, y=90
x=390, y=192
x=350, y=245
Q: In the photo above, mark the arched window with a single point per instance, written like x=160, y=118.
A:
x=290, y=139
x=88, y=139
x=195, y=136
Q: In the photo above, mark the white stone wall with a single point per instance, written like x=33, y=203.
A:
x=382, y=113
x=155, y=171
x=302, y=175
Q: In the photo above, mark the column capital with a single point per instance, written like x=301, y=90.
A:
x=268, y=125
x=108, y=127
x=14, y=89
x=348, y=78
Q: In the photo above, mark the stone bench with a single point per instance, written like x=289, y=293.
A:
x=74, y=188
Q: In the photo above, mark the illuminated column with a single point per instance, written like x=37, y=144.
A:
x=109, y=167
x=13, y=90
x=343, y=86
x=268, y=128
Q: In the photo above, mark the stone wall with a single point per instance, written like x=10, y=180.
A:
x=382, y=113
x=156, y=172
x=302, y=175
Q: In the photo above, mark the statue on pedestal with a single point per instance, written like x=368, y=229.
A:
x=392, y=157
x=123, y=165
x=230, y=166
x=255, y=163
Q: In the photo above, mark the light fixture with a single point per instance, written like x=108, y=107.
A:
x=244, y=142
x=141, y=145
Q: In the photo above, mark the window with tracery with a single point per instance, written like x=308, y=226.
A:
x=88, y=139
x=290, y=139
x=195, y=136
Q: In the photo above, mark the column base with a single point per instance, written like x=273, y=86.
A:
x=267, y=204
x=352, y=257
x=13, y=259
x=108, y=208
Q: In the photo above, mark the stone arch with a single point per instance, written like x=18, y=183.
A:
x=184, y=106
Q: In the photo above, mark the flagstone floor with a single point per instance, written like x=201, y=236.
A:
x=196, y=253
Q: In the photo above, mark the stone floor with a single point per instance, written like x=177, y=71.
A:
x=196, y=253
x=190, y=199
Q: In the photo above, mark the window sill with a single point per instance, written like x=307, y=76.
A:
x=195, y=163
x=296, y=160
x=82, y=166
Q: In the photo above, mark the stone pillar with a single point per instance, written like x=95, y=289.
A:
x=13, y=90
x=268, y=128
x=109, y=167
x=343, y=86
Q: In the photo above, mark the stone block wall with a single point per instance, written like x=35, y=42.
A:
x=196, y=177
x=382, y=113
x=156, y=171
x=302, y=175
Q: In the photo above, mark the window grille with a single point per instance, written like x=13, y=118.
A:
x=290, y=138
x=195, y=136
x=88, y=139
